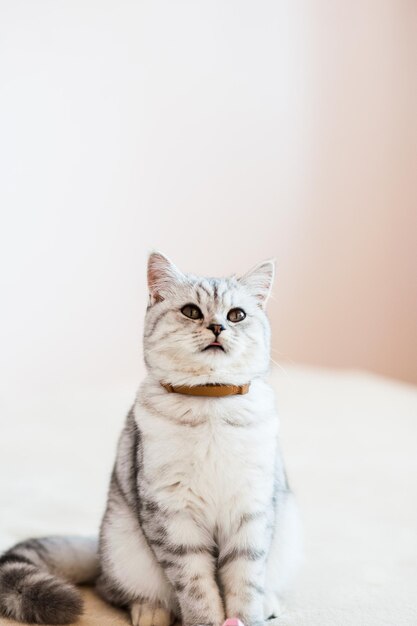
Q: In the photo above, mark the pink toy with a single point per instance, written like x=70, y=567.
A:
x=233, y=621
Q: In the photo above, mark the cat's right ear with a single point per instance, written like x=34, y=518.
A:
x=162, y=277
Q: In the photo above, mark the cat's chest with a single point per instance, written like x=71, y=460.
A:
x=212, y=464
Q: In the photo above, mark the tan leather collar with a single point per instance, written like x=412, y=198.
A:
x=214, y=390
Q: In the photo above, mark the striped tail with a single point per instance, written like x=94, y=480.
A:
x=37, y=579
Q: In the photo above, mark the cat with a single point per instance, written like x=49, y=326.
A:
x=200, y=523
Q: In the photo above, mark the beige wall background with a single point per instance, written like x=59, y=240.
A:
x=221, y=133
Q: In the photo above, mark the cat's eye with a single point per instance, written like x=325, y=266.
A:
x=192, y=311
x=236, y=315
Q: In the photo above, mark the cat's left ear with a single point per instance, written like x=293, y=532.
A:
x=259, y=281
x=163, y=276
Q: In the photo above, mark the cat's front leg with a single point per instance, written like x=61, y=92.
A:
x=242, y=568
x=197, y=591
x=185, y=552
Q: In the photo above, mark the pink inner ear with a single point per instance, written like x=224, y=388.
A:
x=161, y=274
x=154, y=277
x=156, y=297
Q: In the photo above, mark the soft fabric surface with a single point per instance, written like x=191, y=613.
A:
x=350, y=441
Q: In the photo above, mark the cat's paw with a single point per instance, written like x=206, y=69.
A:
x=244, y=621
x=143, y=614
x=272, y=606
x=233, y=621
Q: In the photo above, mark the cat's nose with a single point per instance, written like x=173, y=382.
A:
x=216, y=328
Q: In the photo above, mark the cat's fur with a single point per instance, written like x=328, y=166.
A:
x=200, y=523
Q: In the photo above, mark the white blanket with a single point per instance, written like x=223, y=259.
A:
x=350, y=442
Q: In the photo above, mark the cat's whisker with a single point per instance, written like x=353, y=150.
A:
x=287, y=359
x=281, y=367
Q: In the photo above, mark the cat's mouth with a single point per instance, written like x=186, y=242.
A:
x=215, y=345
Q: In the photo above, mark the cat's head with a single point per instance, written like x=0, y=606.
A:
x=206, y=330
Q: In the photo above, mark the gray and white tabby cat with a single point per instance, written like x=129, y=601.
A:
x=200, y=523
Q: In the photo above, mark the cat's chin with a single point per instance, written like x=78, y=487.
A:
x=213, y=348
x=205, y=376
x=213, y=366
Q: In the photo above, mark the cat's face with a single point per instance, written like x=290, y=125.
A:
x=200, y=330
